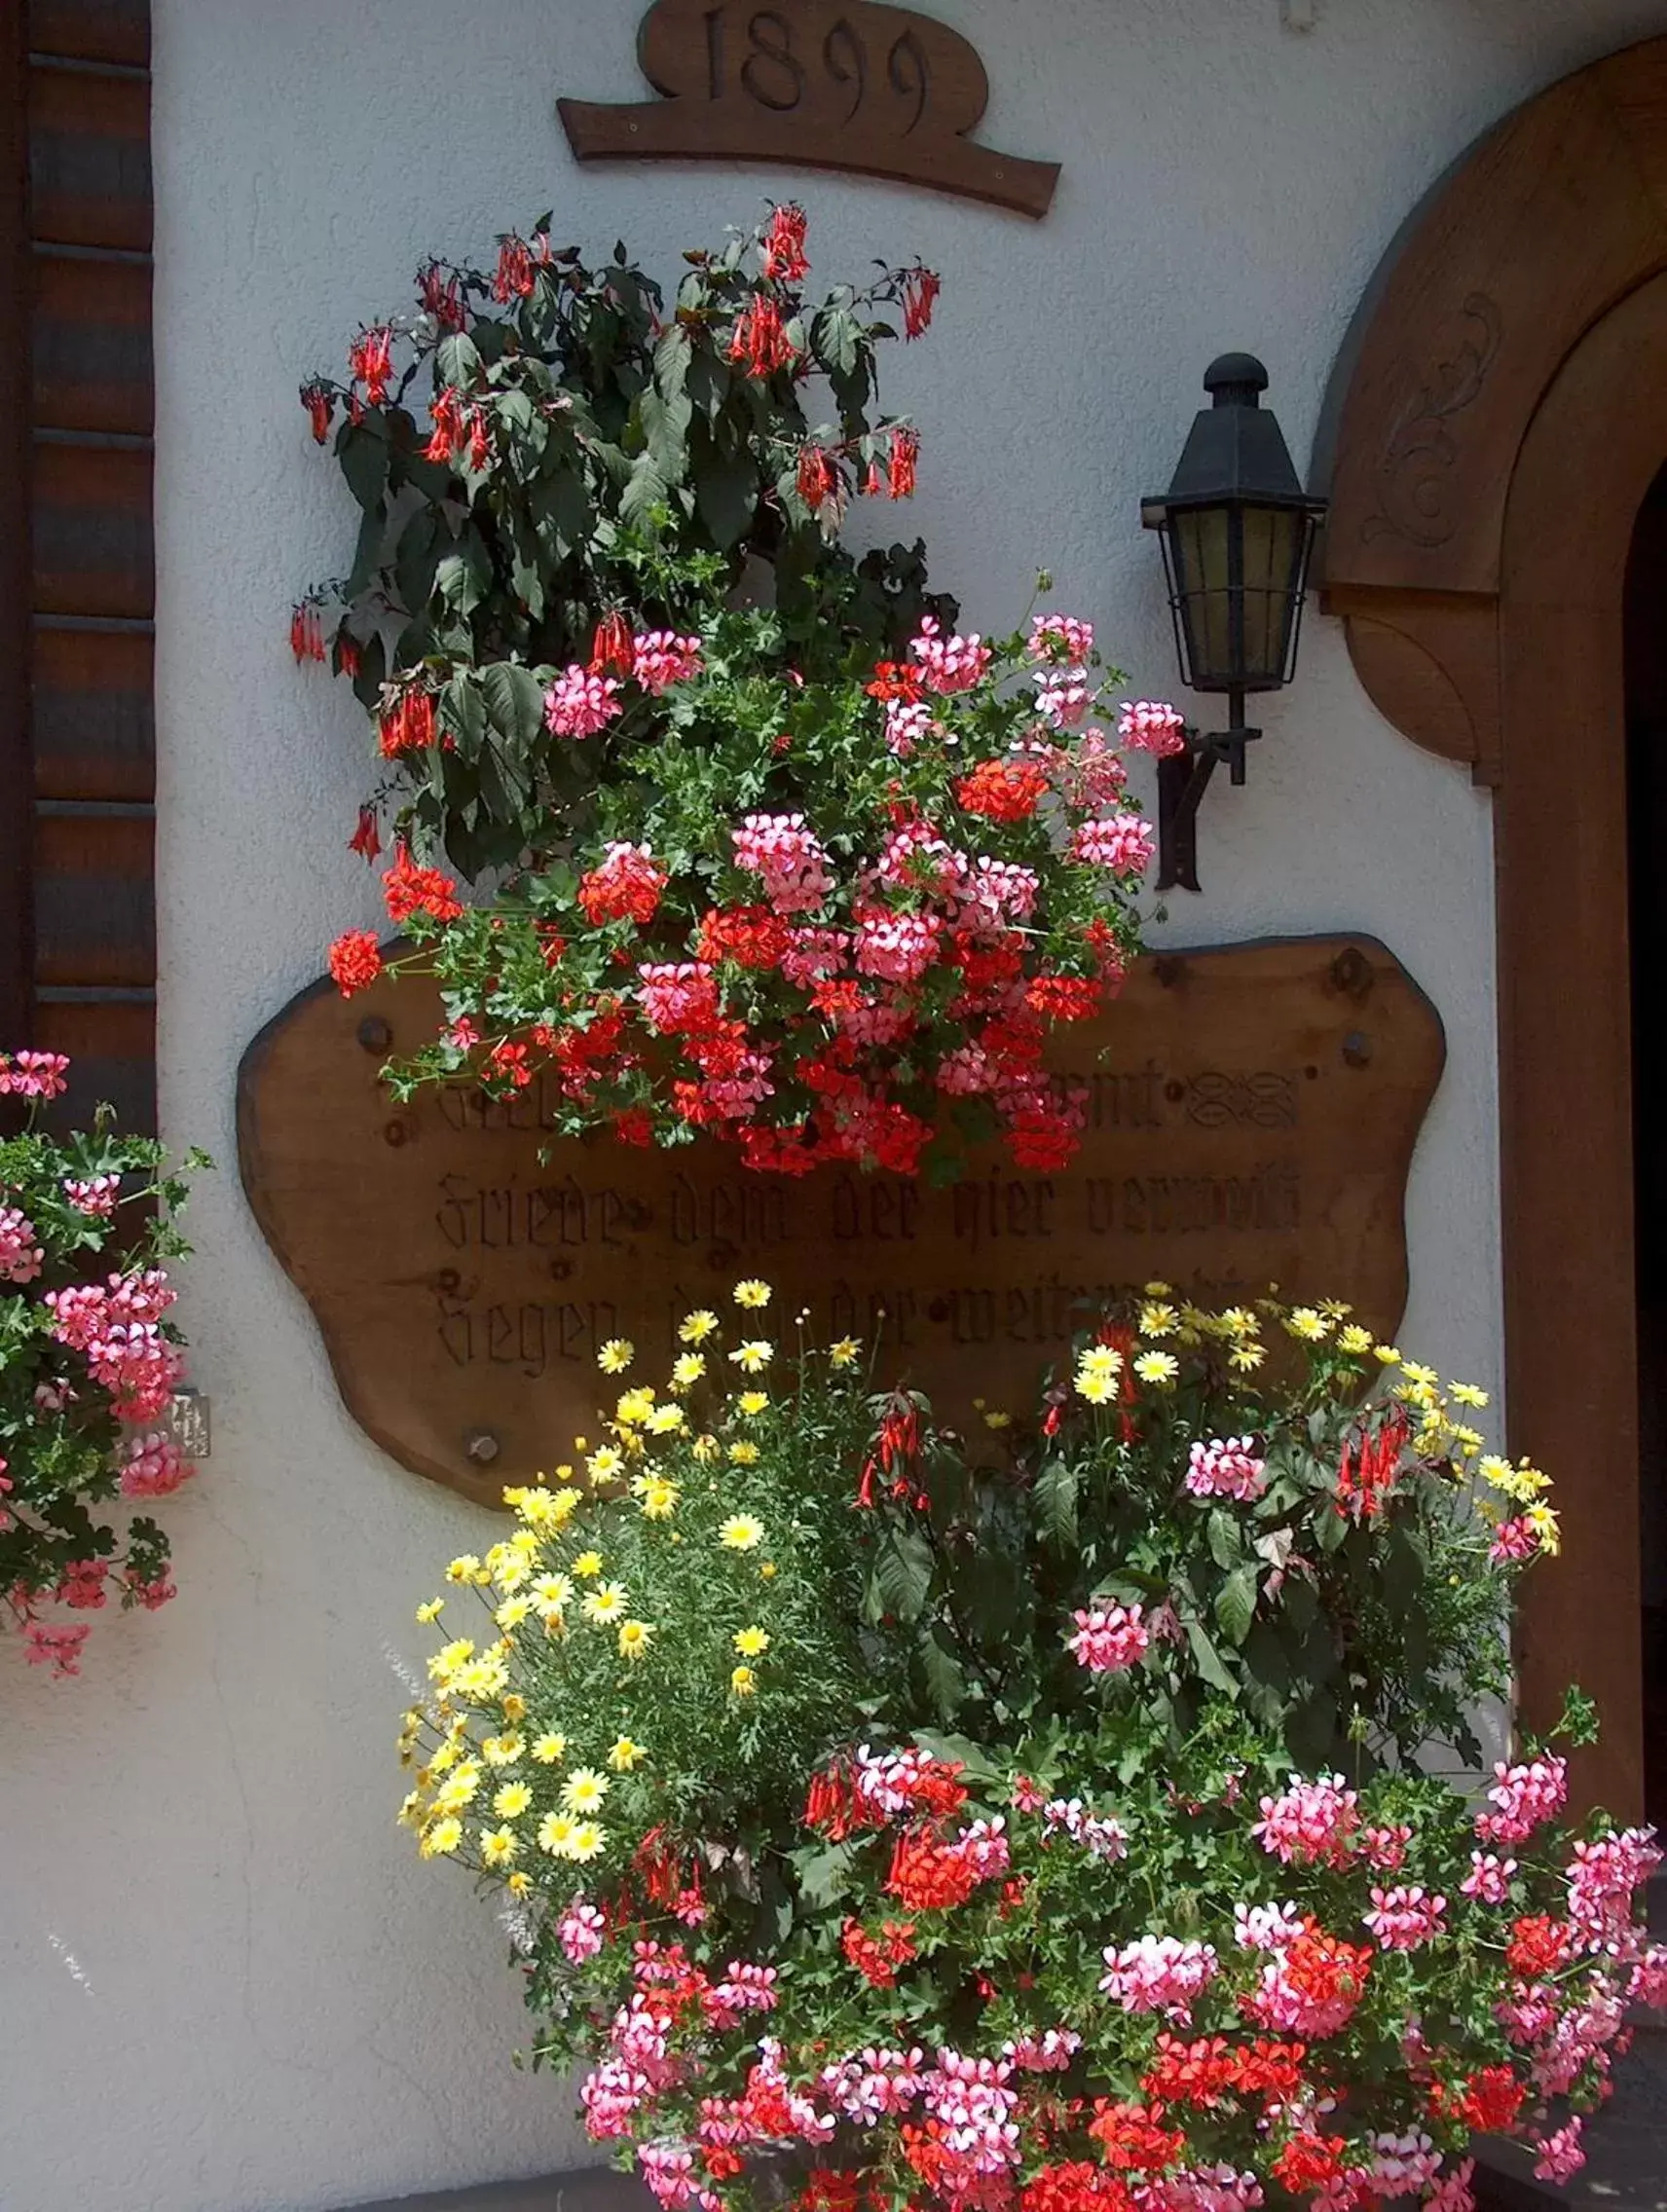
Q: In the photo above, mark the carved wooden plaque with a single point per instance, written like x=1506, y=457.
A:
x=812, y=84
x=1253, y=1114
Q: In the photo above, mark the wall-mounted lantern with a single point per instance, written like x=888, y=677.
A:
x=1237, y=530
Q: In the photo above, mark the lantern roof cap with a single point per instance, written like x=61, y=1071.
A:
x=1235, y=452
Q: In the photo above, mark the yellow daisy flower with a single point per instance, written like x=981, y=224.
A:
x=1159, y=1320
x=441, y=1840
x=587, y=1842
x=465, y=1569
x=752, y=1642
x=499, y=1847
x=659, y=1500
x=705, y=1448
x=666, y=1420
x=519, y=1885
x=846, y=1353
x=1098, y=1390
x=605, y=1463
x=634, y=1638
x=1466, y=1394
x=695, y=1328
x=687, y=1370
x=1354, y=1340
x=754, y=1356
x=634, y=1408
x=502, y=1750
x=588, y=1566
x=512, y=1612
x=617, y=1355
x=753, y=1402
x=605, y=1603
x=550, y=1593
x=1308, y=1323
x=998, y=1421
x=743, y=1683
x=744, y=1455
x=626, y=1755
x=1419, y=1377
x=432, y=1611
x=752, y=1294
x=512, y=1800
x=550, y=1749
x=1099, y=1359
x=445, y=1662
x=556, y=1833
x=584, y=1789
x=1159, y=1368
x=768, y=1571
x=1246, y=1358
x=741, y=1532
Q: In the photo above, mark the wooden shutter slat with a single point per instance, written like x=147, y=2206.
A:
x=112, y=1053
x=90, y=166
x=93, y=30
x=94, y=725
x=95, y=900
x=91, y=345
x=93, y=546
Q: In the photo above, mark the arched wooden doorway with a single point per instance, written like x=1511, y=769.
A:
x=1501, y=416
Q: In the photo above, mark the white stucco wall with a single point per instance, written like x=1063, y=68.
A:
x=228, y=1984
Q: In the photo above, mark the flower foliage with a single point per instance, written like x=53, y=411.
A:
x=798, y=863
x=816, y=919
x=518, y=442
x=88, y=1365
x=1043, y=1835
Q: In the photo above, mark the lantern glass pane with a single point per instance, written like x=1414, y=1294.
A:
x=1274, y=539
x=1200, y=539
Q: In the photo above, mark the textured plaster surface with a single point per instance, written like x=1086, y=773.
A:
x=229, y=1986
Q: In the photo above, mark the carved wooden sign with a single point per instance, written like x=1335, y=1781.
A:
x=1253, y=1114
x=813, y=83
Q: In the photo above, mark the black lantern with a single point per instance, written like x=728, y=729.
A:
x=1237, y=530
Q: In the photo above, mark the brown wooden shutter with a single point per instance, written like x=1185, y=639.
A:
x=77, y=753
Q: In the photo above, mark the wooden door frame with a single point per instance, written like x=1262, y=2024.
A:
x=1499, y=414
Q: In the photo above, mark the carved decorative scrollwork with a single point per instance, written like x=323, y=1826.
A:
x=1415, y=474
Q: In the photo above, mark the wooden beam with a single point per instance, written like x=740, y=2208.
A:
x=17, y=768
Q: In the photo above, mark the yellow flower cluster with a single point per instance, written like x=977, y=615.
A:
x=484, y=1793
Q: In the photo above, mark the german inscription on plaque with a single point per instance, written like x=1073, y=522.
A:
x=1252, y=1112
x=812, y=84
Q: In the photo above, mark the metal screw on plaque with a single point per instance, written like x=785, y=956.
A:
x=374, y=1034
x=1357, y=1048
x=1351, y=972
x=397, y=1133
x=481, y=1446
x=187, y=1423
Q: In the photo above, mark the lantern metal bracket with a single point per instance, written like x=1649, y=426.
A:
x=1183, y=778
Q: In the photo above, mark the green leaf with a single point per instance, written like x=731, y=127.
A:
x=945, y=1682
x=1055, y=1496
x=902, y=1571
x=644, y=493
x=1236, y=1605
x=363, y=457
x=824, y=1875
x=1208, y=1661
x=1226, y=1545
x=463, y=712
x=726, y=495
x=514, y=701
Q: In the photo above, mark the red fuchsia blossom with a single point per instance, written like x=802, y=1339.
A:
x=580, y=703
x=760, y=339
x=33, y=1074
x=953, y=664
x=1109, y=1639
x=1370, y=1464
x=364, y=839
x=661, y=659
x=1403, y=1918
x=816, y=478
x=412, y=890
x=370, y=361
x=902, y=463
x=1226, y=1469
x=1152, y=726
x=446, y=410
x=625, y=886
x=356, y=960
x=920, y=290
x=1124, y=844
x=783, y=251
x=406, y=721
x=440, y=291
x=307, y=631
x=319, y=401
x=613, y=647
x=518, y=265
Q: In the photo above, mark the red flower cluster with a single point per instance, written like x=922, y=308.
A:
x=1003, y=791
x=1371, y=1460
x=406, y=721
x=876, y=1958
x=412, y=890
x=356, y=960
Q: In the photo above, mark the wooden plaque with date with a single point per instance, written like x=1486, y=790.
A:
x=812, y=84
x=1253, y=1114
